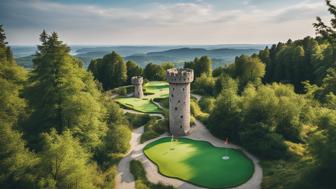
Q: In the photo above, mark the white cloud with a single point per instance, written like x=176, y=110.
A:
x=178, y=23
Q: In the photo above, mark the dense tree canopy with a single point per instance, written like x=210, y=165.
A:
x=274, y=110
x=66, y=119
x=65, y=164
x=248, y=69
x=16, y=161
x=111, y=70
x=154, y=72
x=133, y=70
x=200, y=66
x=63, y=95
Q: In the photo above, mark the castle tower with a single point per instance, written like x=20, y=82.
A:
x=179, y=100
x=137, y=82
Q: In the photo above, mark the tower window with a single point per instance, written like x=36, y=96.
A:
x=173, y=88
x=178, y=101
x=182, y=89
x=172, y=96
x=175, y=108
x=181, y=126
x=181, y=116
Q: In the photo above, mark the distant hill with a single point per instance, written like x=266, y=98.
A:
x=143, y=56
x=219, y=56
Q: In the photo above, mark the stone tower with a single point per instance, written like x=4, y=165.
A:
x=137, y=82
x=179, y=100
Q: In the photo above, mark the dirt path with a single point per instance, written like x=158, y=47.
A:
x=125, y=180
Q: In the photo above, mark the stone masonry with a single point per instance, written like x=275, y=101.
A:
x=137, y=82
x=179, y=100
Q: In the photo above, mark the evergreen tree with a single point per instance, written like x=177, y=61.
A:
x=328, y=32
x=16, y=162
x=63, y=95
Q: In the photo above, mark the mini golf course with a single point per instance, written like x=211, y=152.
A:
x=153, y=89
x=199, y=162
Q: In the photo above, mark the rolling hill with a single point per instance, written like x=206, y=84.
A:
x=143, y=54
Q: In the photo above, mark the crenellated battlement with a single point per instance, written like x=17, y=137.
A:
x=137, y=80
x=180, y=75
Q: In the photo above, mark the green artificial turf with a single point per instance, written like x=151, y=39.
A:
x=200, y=163
x=156, y=89
x=141, y=105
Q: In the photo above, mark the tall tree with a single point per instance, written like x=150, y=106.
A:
x=248, y=69
x=328, y=32
x=16, y=161
x=111, y=70
x=133, y=70
x=202, y=65
x=63, y=95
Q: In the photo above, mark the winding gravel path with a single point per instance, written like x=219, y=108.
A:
x=125, y=180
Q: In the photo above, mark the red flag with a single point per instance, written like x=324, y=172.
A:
x=226, y=141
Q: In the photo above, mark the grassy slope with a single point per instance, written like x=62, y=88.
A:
x=200, y=163
x=154, y=89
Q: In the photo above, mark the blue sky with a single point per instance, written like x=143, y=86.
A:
x=160, y=22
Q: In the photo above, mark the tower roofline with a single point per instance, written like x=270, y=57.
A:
x=180, y=75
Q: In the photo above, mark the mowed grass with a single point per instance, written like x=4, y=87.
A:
x=200, y=163
x=141, y=105
x=156, y=89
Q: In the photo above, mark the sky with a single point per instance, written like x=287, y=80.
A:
x=160, y=22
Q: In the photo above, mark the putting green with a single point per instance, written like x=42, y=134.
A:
x=141, y=105
x=156, y=89
x=200, y=163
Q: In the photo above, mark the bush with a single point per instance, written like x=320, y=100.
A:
x=207, y=104
x=154, y=128
x=137, y=120
x=204, y=85
x=164, y=102
x=117, y=139
x=260, y=140
x=141, y=181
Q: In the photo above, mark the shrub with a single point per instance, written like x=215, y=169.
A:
x=137, y=120
x=258, y=139
x=141, y=181
x=207, y=104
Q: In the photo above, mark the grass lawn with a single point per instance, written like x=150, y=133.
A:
x=157, y=89
x=141, y=105
x=200, y=163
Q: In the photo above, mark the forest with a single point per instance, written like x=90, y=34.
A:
x=60, y=128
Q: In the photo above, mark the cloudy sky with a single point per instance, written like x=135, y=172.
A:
x=164, y=22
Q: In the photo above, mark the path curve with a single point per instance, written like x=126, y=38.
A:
x=125, y=180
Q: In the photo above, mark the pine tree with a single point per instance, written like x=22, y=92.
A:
x=16, y=161
x=63, y=95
